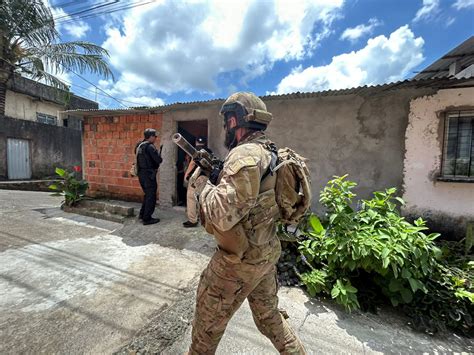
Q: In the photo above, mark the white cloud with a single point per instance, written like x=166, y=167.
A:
x=463, y=4
x=176, y=46
x=354, y=33
x=129, y=91
x=77, y=29
x=143, y=101
x=381, y=60
x=428, y=11
x=449, y=21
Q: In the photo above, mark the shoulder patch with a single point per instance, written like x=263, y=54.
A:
x=235, y=166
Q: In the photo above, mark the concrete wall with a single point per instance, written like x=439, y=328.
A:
x=201, y=111
x=47, y=93
x=25, y=107
x=361, y=135
x=50, y=146
x=448, y=206
x=26, y=97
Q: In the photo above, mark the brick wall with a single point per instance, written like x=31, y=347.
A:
x=109, y=144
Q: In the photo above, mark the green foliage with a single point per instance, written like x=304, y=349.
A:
x=30, y=45
x=391, y=253
x=69, y=186
x=469, y=238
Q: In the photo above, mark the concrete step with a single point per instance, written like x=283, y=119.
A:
x=110, y=210
x=27, y=185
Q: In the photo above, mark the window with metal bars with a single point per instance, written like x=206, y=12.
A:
x=458, y=155
x=45, y=118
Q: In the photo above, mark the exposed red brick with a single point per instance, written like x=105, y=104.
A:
x=109, y=144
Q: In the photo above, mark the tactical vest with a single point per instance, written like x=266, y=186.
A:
x=253, y=240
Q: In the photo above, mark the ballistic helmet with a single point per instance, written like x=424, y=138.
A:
x=249, y=110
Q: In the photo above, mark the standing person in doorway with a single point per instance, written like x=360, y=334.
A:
x=195, y=177
x=148, y=162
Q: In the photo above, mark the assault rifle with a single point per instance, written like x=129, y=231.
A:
x=205, y=160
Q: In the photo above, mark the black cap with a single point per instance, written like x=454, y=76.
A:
x=149, y=132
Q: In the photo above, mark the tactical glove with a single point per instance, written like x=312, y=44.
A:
x=214, y=176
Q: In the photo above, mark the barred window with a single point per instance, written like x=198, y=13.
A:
x=46, y=119
x=458, y=155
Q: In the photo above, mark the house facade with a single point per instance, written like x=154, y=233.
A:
x=416, y=135
x=438, y=176
x=370, y=133
x=34, y=139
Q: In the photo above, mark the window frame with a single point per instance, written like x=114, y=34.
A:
x=468, y=112
x=45, y=116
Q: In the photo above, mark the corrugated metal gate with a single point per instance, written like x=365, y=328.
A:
x=18, y=159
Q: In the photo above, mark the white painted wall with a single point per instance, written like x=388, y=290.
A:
x=422, y=164
x=25, y=107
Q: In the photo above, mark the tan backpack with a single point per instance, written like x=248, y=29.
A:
x=293, y=183
x=134, y=168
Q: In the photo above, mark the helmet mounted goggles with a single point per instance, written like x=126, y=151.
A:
x=235, y=108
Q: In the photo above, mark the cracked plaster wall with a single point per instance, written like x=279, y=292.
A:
x=448, y=206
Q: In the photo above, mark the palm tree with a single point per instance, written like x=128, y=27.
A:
x=29, y=44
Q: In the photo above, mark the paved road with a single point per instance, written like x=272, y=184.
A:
x=73, y=284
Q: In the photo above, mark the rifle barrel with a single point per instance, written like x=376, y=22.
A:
x=181, y=142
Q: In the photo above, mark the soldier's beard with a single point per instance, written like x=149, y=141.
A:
x=230, y=140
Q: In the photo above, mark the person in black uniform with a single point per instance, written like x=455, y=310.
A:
x=148, y=162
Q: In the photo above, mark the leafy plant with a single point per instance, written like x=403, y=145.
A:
x=30, y=45
x=374, y=245
x=69, y=186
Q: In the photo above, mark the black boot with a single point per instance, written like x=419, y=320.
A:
x=151, y=221
x=189, y=224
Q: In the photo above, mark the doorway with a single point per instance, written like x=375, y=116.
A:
x=189, y=130
x=18, y=159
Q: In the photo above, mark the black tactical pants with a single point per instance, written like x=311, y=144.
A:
x=149, y=186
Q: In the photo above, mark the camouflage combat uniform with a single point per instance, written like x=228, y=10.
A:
x=240, y=212
x=196, y=180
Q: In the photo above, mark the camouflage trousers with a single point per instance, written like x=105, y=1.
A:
x=224, y=285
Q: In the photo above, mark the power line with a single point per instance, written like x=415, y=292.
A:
x=98, y=88
x=71, y=18
x=93, y=91
x=67, y=4
x=87, y=9
x=83, y=93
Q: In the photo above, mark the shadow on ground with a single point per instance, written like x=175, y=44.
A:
x=169, y=232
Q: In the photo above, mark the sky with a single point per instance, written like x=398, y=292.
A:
x=169, y=51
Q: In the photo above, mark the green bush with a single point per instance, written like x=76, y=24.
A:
x=373, y=247
x=69, y=186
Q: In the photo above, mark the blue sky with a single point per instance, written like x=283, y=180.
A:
x=168, y=51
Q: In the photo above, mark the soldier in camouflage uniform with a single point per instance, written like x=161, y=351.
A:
x=238, y=207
